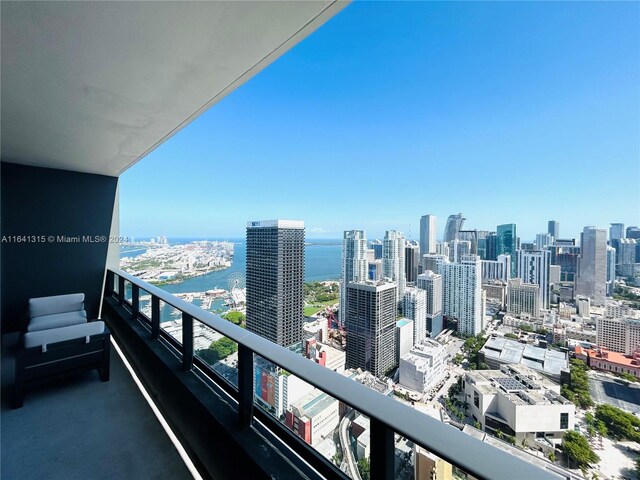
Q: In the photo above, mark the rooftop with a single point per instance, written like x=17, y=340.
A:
x=521, y=385
x=504, y=350
x=608, y=355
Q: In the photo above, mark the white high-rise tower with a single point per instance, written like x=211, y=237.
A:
x=462, y=293
x=393, y=260
x=533, y=268
x=354, y=265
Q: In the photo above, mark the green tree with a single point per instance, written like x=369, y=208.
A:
x=237, y=318
x=551, y=456
x=364, y=468
x=511, y=335
x=577, y=390
x=620, y=425
x=628, y=377
x=218, y=350
x=578, y=450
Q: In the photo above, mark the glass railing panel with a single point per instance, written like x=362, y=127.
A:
x=413, y=461
x=217, y=351
x=127, y=291
x=145, y=304
x=335, y=430
x=171, y=321
x=405, y=456
x=116, y=284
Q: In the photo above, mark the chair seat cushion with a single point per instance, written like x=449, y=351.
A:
x=53, y=335
x=39, y=307
x=55, y=321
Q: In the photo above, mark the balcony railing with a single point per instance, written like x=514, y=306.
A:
x=387, y=417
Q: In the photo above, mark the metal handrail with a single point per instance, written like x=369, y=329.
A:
x=390, y=416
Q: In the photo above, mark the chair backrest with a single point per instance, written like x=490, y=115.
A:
x=39, y=307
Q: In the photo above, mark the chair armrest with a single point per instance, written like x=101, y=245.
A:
x=53, y=335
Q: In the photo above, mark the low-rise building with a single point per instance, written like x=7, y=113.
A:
x=518, y=401
x=325, y=355
x=428, y=466
x=275, y=389
x=563, y=332
x=566, y=311
x=314, y=416
x=583, y=305
x=361, y=432
x=317, y=329
x=496, y=291
x=498, y=351
x=608, y=361
x=423, y=366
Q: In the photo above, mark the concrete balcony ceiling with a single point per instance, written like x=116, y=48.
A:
x=95, y=86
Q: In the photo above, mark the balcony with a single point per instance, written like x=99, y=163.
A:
x=192, y=391
x=83, y=428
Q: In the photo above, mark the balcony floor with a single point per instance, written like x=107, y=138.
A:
x=80, y=428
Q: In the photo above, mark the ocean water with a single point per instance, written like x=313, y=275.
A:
x=322, y=262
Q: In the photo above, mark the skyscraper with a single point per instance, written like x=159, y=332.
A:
x=411, y=261
x=611, y=270
x=458, y=248
x=482, y=236
x=431, y=283
x=616, y=232
x=533, y=268
x=491, y=246
x=626, y=250
x=543, y=240
x=393, y=260
x=433, y=262
x=354, y=265
x=506, y=243
x=453, y=227
x=554, y=229
x=499, y=269
x=275, y=280
x=462, y=294
x=592, y=265
x=427, y=234
x=415, y=308
x=376, y=245
x=371, y=326
x=633, y=232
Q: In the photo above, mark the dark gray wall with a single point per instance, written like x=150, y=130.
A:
x=52, y=203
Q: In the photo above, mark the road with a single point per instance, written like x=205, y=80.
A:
x=348, y=460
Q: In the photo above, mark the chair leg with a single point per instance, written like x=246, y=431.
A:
x=106, y=362
x=104, y=373
x=18, y=395
x=18, y=387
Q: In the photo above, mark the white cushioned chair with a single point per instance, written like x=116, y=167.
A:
x=56, y=311
x=59, y=341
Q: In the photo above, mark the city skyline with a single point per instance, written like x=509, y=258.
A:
x=464, y=95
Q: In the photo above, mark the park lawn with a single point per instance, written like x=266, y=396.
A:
x=317, y=306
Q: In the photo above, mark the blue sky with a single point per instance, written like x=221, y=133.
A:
x=506, y=112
